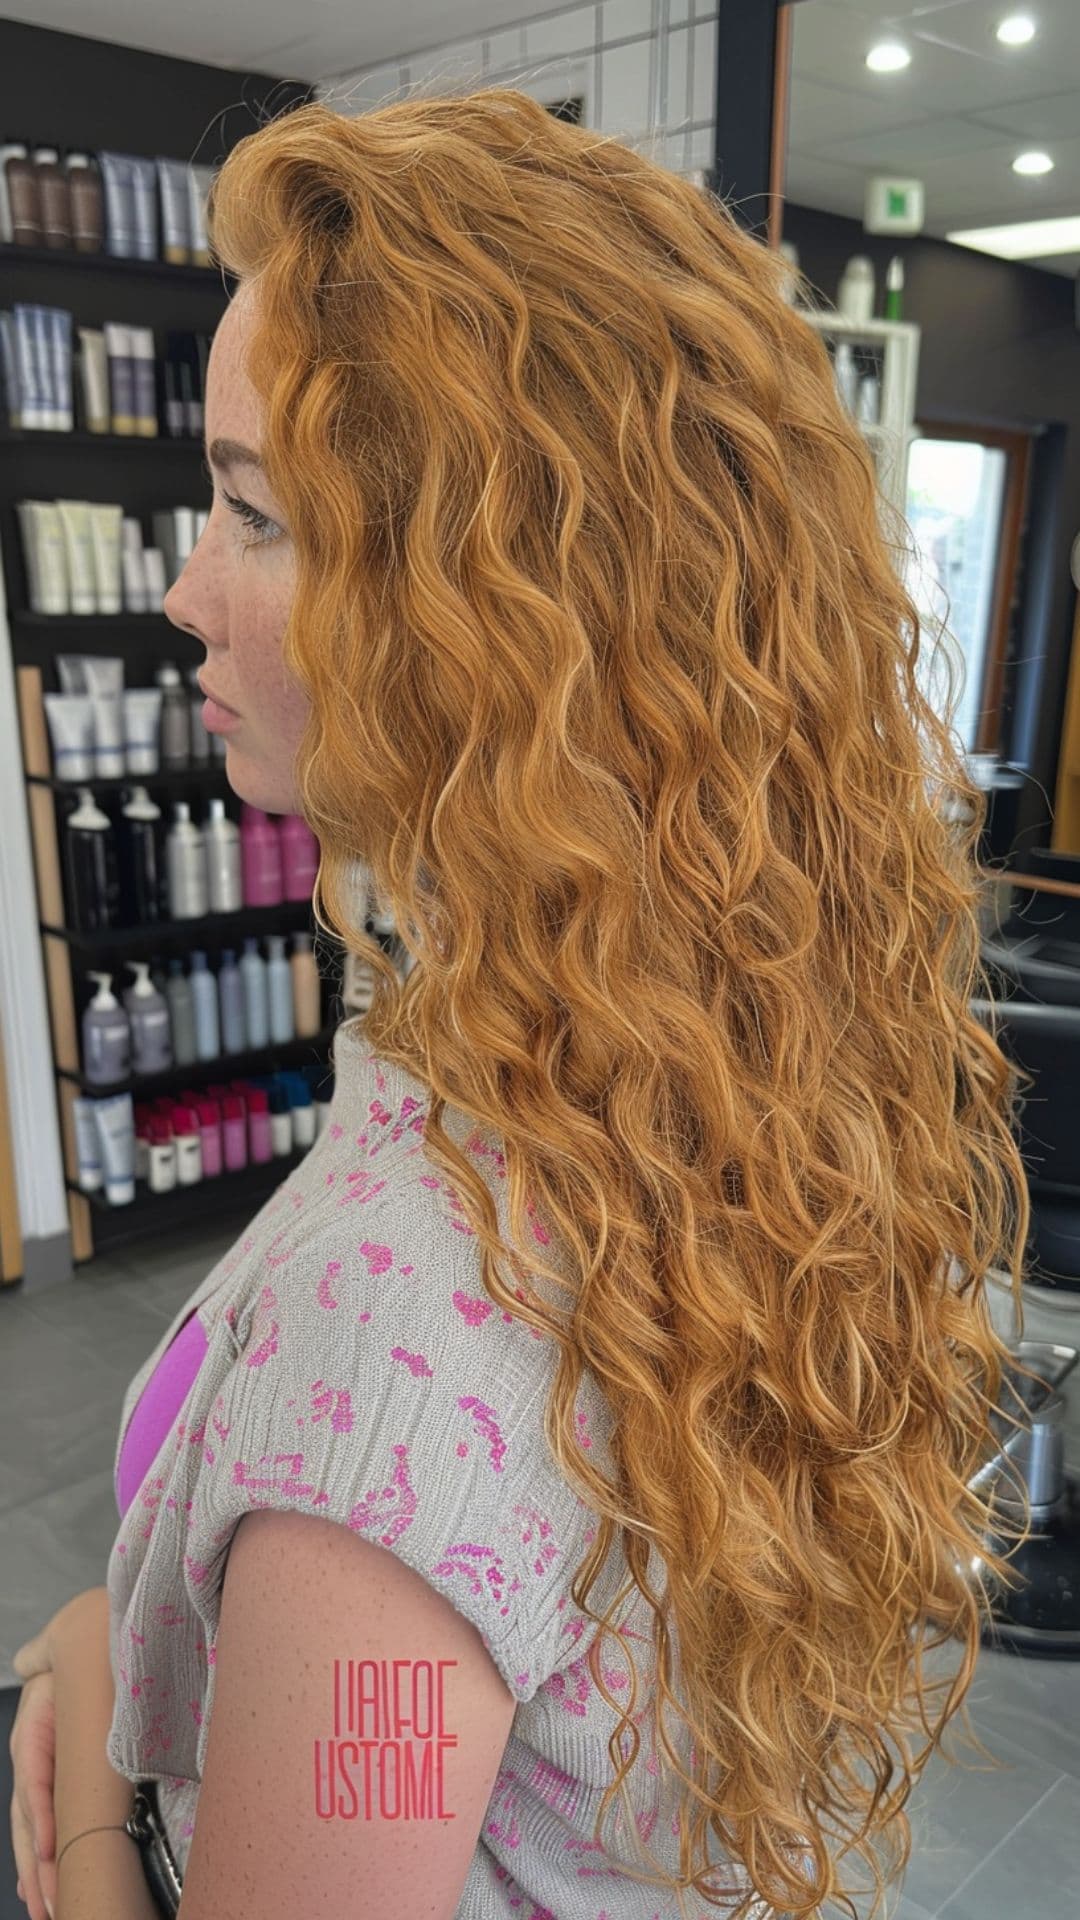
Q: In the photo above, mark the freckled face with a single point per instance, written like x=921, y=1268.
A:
x=236, y=589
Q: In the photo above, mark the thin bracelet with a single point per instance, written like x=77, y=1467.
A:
x=82, y=1836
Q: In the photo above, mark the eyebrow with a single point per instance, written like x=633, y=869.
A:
x=232, y=453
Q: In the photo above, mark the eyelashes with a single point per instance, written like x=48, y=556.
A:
x=262, y=527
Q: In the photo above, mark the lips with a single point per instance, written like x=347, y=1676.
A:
x=216, y=698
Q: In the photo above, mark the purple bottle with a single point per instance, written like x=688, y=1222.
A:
x=300, y=857
x=260, y=858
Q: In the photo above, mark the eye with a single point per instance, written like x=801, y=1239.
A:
x=262, y=527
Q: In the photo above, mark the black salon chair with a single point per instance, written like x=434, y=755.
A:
x=1042, y=1616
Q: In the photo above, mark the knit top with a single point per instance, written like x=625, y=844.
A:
x=343, y=1359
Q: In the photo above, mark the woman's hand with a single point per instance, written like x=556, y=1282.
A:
x=32, y=1746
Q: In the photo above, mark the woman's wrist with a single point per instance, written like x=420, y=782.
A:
x=88, y=1791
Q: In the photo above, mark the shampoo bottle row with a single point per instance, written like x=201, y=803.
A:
x=201, y=1017
x=133, y=876
x=171, y=1143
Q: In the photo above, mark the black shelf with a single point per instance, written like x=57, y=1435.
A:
x=113, y=263
x=81, y=437
x=212, y=930
x=313, y=1049
x=92, y=621
x=210, y=774
x=186, y=1206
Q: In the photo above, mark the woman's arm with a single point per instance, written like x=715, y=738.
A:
x=102, y=1873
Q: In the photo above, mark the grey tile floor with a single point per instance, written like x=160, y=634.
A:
x=986, y=1845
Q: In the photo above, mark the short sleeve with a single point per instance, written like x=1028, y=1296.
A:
x=372, y=1389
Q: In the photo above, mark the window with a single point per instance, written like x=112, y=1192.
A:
x=966, y=492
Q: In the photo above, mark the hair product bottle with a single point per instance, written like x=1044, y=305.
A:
x=260, y=1144
x=185, y=862
x=279, y=980
x=260, y=847
x=106, y=1033
x=140, y=860
x=223, y=871
x=151, y=1035
x=181, y=1004
x=299, y=857
x=235, y=1132
x=93, y=883
x=256, y=994
x=204, y=995
x=280, y=1120
x=305, y=985
x=210, y=1133
x=188, y=1141
x=231, y=1000
x=162, y=1175
x=175, y=718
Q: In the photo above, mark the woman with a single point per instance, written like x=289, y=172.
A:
x=557, y=599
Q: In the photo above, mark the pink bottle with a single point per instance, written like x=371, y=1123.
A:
x=210, y=1130
x=235, y=1132
x=300, y=857
x=260, y=858
x=259, y=1139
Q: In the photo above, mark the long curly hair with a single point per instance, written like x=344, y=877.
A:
x=615, y=696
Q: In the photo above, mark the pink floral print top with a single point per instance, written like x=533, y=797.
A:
x=343, y=1359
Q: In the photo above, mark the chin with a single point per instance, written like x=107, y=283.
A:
x=259, y=786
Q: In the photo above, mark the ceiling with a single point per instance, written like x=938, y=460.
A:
x=955, y=118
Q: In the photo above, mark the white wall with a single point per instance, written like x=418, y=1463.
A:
x=647, y=69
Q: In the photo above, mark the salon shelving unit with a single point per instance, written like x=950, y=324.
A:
x=891, y=349
x=145, y=473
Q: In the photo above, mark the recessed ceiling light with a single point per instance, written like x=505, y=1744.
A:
x=888, y=57
x=1033, y=163
x=1017, y=30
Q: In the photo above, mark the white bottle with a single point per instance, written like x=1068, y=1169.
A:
x=222, y=837
x=279, y=982
x=846, y=373
x=162, y=1156
x=185, y=867
x=151, y=1028
x=187, y=1141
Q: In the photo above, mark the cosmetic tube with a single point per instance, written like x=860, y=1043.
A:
x=71, y=668
x=87, y=1146
x=33, y=402
x=121, y=377
x=144, y=184
x=40, y=327
x=115, y=1122
x=154, y=576
x=199, y=179
x=94, y=373
x=79, y=554
x=145, y=409
x=71, y=725
x=105, y=528
x=119, y=190
x=173, y=187
x=12, y=398
x=134, y=578
x=105, y=685
x=142, y=718
x=58, y=321
x=43, y=550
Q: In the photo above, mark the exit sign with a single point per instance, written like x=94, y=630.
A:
x=893, y=206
